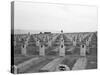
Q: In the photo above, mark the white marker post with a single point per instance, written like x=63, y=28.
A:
x=49, y=43
x=62, y=42
x=83, y=50
x=74, y=42
x=62, y=50
x=23, y=49
x=37, y=43
x=42, y=50
x=87, y=42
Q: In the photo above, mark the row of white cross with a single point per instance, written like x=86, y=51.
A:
x=73, y=38
x=42, y=48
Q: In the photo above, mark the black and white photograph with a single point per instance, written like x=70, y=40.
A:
x=53, y=37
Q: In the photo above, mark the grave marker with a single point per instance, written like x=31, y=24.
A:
x=42, y=50
x=37, y=43
x=87, y=42
x=24, y=47
x=62, y=50
x=74, y=42
x=49, y=43
x=83, y=50
x=24, y=51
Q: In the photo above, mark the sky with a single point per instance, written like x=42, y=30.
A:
x=54, y=17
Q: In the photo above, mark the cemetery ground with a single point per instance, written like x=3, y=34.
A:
x=68, y=60
x=47, y=58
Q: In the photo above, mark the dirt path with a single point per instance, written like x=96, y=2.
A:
x=51, y=66
x=80, y=64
